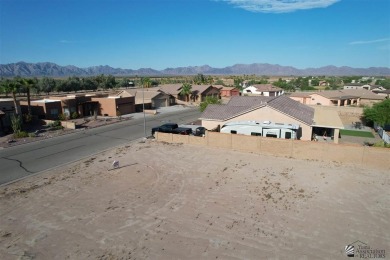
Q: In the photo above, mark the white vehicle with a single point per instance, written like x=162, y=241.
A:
x=266, y=128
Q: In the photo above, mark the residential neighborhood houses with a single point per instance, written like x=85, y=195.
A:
x=254, y=102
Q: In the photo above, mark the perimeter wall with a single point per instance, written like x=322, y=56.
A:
x=373, y=157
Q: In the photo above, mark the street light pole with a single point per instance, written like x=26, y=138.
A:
x=143, y=107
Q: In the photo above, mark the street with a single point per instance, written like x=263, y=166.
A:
x=31, y=158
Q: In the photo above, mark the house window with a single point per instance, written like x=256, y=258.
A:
x=54, y=111
x=233, y=132
x=255, y=134
x=271, y=135
x=287, y=135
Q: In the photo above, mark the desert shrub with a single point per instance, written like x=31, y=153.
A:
x=21, y=134
x=382, y=144
x=56, y=125
x=75, y=115
x=16, y=123
x=61, y=117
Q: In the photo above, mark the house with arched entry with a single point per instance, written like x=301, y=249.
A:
x=280, y=110
x=344, y=97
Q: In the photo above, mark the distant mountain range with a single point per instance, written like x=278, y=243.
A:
x=53, y=70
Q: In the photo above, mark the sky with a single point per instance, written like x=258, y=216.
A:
x=159, y=34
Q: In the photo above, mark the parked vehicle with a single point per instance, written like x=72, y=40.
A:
x=266, y=128
x=172, y=128
x=197, y=130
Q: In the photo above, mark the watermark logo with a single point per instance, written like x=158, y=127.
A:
x=362, y=250
x=350, y=251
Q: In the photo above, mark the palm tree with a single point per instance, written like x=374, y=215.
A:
x=28, y=84
x=146, y=82
x=12, y=86
x=186, y=90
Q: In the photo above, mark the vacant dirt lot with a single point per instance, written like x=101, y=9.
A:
x=185, y=202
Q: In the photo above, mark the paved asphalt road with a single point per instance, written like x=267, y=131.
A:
x=31, y=158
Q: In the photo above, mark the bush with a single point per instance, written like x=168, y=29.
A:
x=75, y=115
x=62, y=117
x=21, y=134
x=16, y=123
x=56, y=125
x=382, y=144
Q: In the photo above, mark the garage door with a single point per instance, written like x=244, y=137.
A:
x=160, y=102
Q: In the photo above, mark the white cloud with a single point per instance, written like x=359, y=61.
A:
x=370, y=42
x=279, y=6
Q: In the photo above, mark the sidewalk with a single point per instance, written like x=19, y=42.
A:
x=83, y=123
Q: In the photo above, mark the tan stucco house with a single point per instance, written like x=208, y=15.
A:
x=198, y=92
x=279, y=109
x=151, y=97
x=345, y=97
x=229, y=91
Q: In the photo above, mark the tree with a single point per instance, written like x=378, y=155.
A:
x=238, y=82
x=378, y=113
x=27, y=85
x=88, y=84
x=124, y=83
x=47, y=85
x=199, y=79
x=384, y=83
x=186, y=90
x=287, y=86
x=12, y=86
x=208, y=101
x=110, y=82
x=146, y=83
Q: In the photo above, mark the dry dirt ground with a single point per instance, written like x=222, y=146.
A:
x=169, y=201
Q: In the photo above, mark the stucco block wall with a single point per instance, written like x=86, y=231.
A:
x=245, y=143
x=180, y=138
x=197, y=140
x=352, y=154
x=274, y=146
x=219, y=140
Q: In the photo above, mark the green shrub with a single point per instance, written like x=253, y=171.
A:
x=382, y=144
x=75, y=115
x=62, y=117
x=54, y=124
x=21, y=134
x=16, y=123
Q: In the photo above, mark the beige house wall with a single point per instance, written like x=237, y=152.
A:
x=373, y=157
x=43, y=109
x=263, y=114
x=302, y=100
x=317, y=99
x=109, y=106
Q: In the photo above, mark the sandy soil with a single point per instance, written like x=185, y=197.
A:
x=181, y=202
